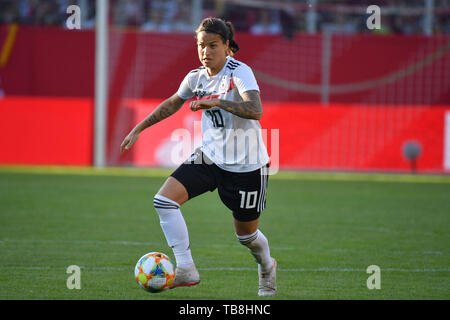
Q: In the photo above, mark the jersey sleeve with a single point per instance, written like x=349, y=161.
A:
x=244, y=79
x=185, y=90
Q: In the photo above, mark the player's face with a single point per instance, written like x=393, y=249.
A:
x=212, y=52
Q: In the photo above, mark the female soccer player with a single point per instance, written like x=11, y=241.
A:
x=227, y=92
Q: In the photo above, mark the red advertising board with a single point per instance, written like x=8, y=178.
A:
x=46, y=130
x=310, y=136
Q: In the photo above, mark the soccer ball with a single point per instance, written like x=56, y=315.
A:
x=154, y=272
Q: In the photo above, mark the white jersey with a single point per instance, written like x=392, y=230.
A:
x=233, y=143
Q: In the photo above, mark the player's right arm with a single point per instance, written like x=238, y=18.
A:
x=164, y=110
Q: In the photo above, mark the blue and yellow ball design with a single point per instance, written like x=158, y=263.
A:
x=154, y=272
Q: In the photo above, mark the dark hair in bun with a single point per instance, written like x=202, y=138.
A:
x=223, y=28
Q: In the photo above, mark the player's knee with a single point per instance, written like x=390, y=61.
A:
x=246, y=224
x=173, y=190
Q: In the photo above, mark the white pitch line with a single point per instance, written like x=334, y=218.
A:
x=111, y=242
x=293, y=270
x=326, y=269
x=138, y=243
x=125, y=243
x=199, y=245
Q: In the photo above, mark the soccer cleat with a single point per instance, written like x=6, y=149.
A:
x=268, y=281
x=186, y=277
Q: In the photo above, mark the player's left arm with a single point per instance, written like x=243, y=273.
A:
x=249, y=108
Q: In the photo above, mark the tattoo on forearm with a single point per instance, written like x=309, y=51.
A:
x=158, y=115
x=151, y=120
x=166, y=109
x=249, y=109
x=244, y=109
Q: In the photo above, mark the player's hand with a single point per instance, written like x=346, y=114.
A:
x=129, y=140
x=203, y=104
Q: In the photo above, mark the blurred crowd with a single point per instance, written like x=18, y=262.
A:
x=257, y=17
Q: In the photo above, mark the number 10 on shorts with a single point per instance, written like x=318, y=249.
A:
x=248, y=199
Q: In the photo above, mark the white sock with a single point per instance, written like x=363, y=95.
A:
x=175, y=230
x=259, y=248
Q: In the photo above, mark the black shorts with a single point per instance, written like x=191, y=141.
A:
x=244, y=193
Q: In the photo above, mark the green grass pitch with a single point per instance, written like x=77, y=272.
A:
x=324, y=229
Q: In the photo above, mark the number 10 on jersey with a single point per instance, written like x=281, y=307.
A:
x=216, y=118
x=248, y=199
